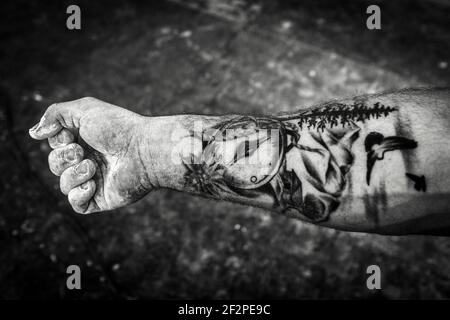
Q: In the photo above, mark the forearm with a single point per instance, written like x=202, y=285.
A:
x=373, y=163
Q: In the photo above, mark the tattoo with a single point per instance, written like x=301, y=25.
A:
x=377, y=145
x=341, y=114
x=299, y=162
x=419, y=182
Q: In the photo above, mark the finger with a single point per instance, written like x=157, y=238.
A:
x=59, y=115
x=80, y=196
x=76, y=175
x=61, y=139
x=62, y=158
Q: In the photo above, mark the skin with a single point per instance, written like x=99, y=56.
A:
x=109, y=139
x=108, y=157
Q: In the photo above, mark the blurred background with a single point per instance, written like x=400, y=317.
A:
x=210, y=57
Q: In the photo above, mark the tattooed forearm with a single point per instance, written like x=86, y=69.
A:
x=351, y=164
x=295, y=164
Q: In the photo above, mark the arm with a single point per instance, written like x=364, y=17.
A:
x=372, y=163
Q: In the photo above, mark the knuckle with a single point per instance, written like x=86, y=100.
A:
x=61, y=158
x=52, y=107
x=78, y=209
x=76, y=206
x=75, y=197
x=85, y=167
x=64, y=136
x=66, y=181
x=76, y=147
x=72, y=197
x=62, y=139
x=88, y=100
x=52, y=110
x=53, y=163
x=80, y=196
x=73, y=152
x=53, y=142
x=64, y=184
x=77, y=174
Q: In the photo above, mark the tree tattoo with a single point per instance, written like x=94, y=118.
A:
x=297, y=163
x=336, y=114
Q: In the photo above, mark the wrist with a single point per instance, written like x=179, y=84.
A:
x=165, y=141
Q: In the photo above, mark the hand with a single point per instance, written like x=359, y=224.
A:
x=97, y=153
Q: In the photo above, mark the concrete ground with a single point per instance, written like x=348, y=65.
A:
x=209, y=57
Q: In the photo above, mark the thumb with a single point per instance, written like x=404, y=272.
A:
x=57, y=116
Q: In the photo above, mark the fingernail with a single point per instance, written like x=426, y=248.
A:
x=82, y=168
x=69, y=155
x=84, y=186
x=34, y=127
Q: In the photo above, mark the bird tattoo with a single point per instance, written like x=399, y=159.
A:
x=419, y=181
x=377, y=145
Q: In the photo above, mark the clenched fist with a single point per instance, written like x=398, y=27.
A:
x=100, y=152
